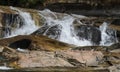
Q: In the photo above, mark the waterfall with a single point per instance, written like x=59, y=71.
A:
x=67, y=30
x=108, y=35
x=27, y=27
x=61, y=27
x=82, y=36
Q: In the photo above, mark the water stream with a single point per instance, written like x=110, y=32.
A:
x=61, y=27
x=27, y=27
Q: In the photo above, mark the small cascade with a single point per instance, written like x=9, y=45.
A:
x=108, y=35
x=83, y=35
x=28, y=25
x=10, y=22
x=61, y=27
x=65, y=31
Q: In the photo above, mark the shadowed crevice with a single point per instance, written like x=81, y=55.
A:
x=24, y=44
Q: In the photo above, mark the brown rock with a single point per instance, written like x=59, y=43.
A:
x=32, y=42
x=88, y=58
x=64, y=58
x=1, y=48
x=41, y=59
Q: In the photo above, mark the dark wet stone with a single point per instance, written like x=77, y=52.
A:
x=41, y=30
x=90, y=33
x=50, y=31
x=54, y=32
x=116, y=22
x=23, y=43
x=10, y=22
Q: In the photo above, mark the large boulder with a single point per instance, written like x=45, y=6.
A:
x=31, y=51
x=62, y=58
x=32, y=42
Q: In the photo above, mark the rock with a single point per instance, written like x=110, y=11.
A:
x=41, y=59
x=90, y=33
x=50, y=31
x=87, y=58
x=32, y=42
x=16, y=59
x=1, y=48
x=61, y=58
x=52, y=53
x=11, y=19
x=114, y=68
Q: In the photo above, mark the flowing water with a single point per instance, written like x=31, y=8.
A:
x=5, y=68
x=27, y=27
x=108, y=36
x=69, y=35
x=61, y=27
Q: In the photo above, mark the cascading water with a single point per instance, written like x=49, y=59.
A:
x=67, y=30
x=108, y=36
x=61, y=27
x=28, y=25
x=85, y=35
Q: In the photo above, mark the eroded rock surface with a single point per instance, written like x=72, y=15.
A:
x=32, y=42
x=57, y=54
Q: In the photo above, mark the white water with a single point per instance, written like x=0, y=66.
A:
x=5, y=68
x=21, y=50
x=26, y=29
x=68, y=35
x=106, y=39
x=67, y=32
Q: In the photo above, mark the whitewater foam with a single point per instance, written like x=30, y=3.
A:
x=108, y=38
x=28, y=27
x=67, y=31
x=5, y=68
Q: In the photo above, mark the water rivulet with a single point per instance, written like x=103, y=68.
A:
x=68, y=28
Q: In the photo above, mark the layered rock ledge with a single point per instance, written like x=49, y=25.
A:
x=45, y=52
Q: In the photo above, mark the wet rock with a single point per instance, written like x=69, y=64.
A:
x=50, y=31
x=9, y=23
x=32, y=42
x=90, y=33
x=10, y=20
x=54, y=32
x=115, y=68
x=41, y=30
